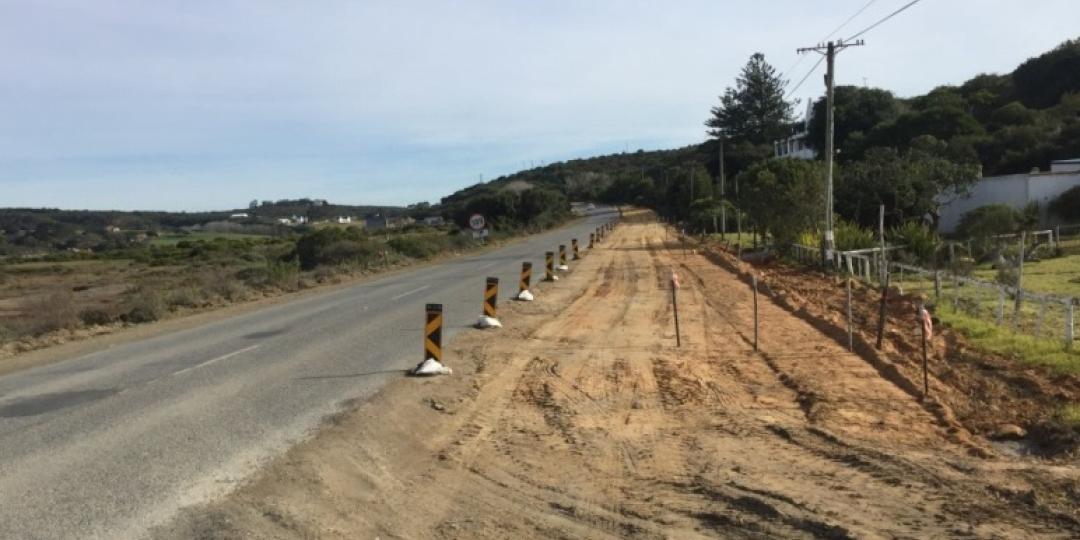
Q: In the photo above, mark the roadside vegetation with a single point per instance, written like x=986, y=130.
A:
x=51, y=291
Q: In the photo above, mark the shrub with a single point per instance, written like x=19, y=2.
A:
x=143, y=306
x=50, y=312
x=186, y=297
x=921, y=243
x=6, y=334
x=337, y=246
x=851, y=236
x=419, y=247
x=95, y=317
x=989, y=220
x=323, y=274
x=284, y=275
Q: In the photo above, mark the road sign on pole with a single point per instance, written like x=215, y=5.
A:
x=477, y=222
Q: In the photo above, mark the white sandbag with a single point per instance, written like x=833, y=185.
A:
x=488, y=322
x=431, y=367
x=525, y=296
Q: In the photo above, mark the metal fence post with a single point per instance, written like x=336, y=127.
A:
x=1001, y=305
x=937, y=285
x=1041, y=317
x=1069, y=325
x=850, y=339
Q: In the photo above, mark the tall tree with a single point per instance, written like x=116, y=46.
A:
x=755, y=109
x=858, y=110
x=784, y=196
x=910, y=184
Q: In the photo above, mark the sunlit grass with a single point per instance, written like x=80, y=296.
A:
x=1059, y=276
x=1069, y=415
x=1000, y=339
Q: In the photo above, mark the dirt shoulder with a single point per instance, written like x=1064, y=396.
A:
x=582, y=419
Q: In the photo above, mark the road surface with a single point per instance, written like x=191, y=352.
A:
x=109, y=444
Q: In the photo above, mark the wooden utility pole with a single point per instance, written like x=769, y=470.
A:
x=830, y=50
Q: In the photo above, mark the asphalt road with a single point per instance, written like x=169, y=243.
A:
x=109, y=444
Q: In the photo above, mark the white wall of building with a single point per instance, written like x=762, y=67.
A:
x=1015, y=190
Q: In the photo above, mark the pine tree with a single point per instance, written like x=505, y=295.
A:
x=755, y=110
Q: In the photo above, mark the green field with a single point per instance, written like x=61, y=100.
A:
x=1037, y=337
x=1058, y=276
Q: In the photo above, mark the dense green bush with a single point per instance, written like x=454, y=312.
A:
x=989, y=220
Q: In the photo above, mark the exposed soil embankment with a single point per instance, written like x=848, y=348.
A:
x=983, y=392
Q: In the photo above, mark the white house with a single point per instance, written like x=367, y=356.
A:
x=797, y=145
x=344, y=219
x=1015, y=190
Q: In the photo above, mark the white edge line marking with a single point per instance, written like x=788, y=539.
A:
x=488, y=265
x=218, y=359
x=414, y=291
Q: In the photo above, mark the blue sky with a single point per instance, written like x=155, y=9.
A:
x=194, y=105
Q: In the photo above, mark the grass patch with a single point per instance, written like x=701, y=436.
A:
x=1069, y=415
x=1058, y=275
x=991, y=337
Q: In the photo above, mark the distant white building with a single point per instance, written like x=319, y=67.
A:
x=1015, y=190
x=344, y=219
x=797, y=145
x=242, y=215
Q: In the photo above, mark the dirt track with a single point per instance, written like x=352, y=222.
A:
x=582, y=419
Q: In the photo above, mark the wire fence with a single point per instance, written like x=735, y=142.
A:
x=1035, y=314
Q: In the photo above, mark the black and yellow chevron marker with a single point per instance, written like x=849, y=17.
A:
x=562, y=254
x=526, y=277
x=592, y=239
x=549, y=268
x=573, y=246
x=433, y=333
x=491, y=296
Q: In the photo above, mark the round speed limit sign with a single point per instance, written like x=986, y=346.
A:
x=476, y=221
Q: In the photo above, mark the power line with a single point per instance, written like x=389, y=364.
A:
x=831, y=34
x=807, y=76
x=849, y=19
x=887, y=17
